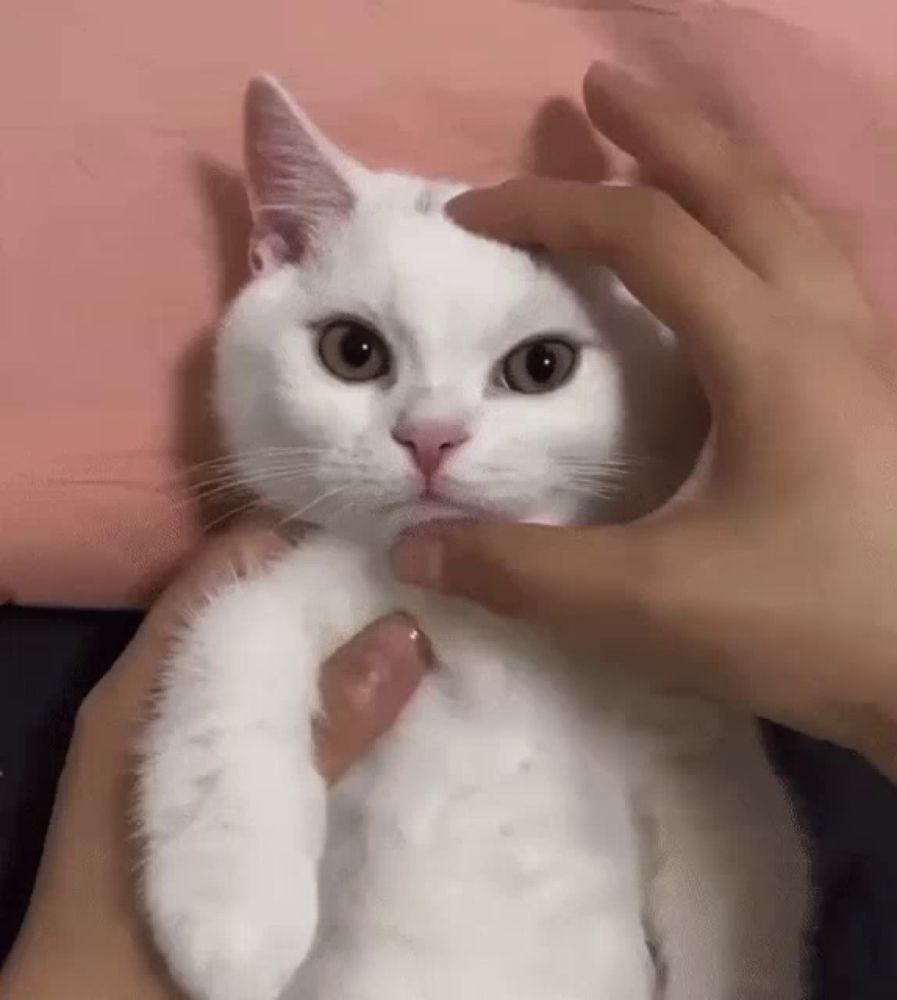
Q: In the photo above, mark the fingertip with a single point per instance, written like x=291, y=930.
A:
x=598, y=77
x=392, y=657
x=487, y=211
x=462, y=209
x=399, y=639
x=597, y=73
x=385, y=679
x=608, y=91
x=603, y=75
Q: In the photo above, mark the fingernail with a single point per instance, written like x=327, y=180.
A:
x=397, y=654
x=424, y=648
x=369, y=678
x=417, y=560
x=398, y=637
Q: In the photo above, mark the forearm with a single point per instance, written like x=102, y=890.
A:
x=43, y=968
x=82, y=938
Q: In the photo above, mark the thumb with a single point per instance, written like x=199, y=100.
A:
x=364, y=687
x=592, y=579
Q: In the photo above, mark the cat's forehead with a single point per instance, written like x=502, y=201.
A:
x=411, y=262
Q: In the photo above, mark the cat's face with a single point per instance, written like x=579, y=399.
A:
x=385, y=367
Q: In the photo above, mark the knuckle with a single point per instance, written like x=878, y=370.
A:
x=757, y=187
x=657, y=217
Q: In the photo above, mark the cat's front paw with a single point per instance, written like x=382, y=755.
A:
x=240, y=942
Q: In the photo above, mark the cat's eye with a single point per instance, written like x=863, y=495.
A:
x=539, y=365
x=353, y=351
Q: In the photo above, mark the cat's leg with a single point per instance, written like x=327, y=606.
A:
x=231, y=805
x=728, y=881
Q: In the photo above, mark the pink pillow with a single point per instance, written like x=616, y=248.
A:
x=123, y=222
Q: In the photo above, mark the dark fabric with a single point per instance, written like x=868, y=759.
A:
x=850, y=812
x=50, y=659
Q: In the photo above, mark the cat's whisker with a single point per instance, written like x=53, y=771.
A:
x=237, y=484
x=350, y=505
x=259, y=463
x=598, y=479
x=261, y=468
x=299, y=514
x=253, y=504
x=248, y=477
x=197, y=501
x=228, y=460
x=241, y=484
x=577, y=489
x=596, y=468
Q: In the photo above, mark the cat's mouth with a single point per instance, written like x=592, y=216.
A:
x=433, y=504
x=433, y=496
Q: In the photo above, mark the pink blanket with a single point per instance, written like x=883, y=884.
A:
x=123, y=223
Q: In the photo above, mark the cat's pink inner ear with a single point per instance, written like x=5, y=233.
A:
x=295, y=188
x=267, y=252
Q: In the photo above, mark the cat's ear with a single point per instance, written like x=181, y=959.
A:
x=298, y=181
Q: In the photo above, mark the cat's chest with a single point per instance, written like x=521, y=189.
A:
x=476, y=655
x=502, y=729
x=501, y=787
x=502, y=784
x=500, y=705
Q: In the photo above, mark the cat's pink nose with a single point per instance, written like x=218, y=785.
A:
x=430, y=442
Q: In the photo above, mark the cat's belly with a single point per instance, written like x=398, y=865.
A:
x=486, y=851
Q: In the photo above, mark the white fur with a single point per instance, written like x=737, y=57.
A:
x=536, y=826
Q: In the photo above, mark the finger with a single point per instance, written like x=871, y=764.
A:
x=242, y=550
x=678, y=269
x=237, y=552
x=364, y=687
x=583, y=579
x=717, y=179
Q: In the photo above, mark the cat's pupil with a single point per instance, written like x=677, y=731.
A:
x=541, y=363
x=357, y=347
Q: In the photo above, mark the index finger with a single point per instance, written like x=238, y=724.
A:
x=672, y=264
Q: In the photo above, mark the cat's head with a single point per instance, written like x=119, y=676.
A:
x=384, y=366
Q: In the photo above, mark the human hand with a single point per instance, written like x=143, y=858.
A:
x=83, y=936
x=771, y=580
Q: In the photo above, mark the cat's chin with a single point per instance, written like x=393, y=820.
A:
x=406, y=516
x=383, y=528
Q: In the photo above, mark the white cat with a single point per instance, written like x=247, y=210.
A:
x=535, y=827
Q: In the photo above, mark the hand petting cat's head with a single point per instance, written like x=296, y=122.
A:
x=385, y=367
